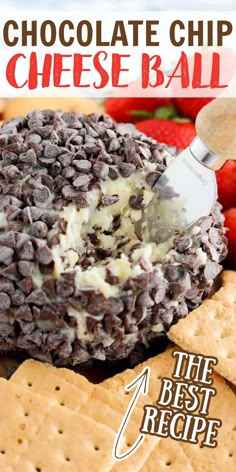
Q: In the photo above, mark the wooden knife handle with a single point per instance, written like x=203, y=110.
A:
x=216, y=126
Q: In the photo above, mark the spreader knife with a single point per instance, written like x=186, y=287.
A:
x=187, y=190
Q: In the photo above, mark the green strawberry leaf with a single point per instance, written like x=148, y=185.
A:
x=166, y=113
x=140, y=113
x=178, y=119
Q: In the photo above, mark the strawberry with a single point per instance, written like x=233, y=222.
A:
x=226, y=180
x=230, y=223
x=190, y=106
x=172, y=132
x=128, y=109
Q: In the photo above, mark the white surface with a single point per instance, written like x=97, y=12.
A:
x=132, y=5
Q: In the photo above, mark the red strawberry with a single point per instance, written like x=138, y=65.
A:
x=190, y=106
x=128, y=109
x=226, y=180
x=171, y=132
x=230, y=223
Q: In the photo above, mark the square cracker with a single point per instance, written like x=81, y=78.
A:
x=36, y=434
x=44, y=380
x=210, y=330
x=228, y=277
x=170, y=455
x=100, y=404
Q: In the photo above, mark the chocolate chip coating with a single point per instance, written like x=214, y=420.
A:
x=76, y=282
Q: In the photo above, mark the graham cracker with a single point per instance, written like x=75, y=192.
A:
x=228, y=277
x=100, y=404
x=170, y=455
x=38, y=435
x=45, y=381
x=70, y=376
x=210, y=330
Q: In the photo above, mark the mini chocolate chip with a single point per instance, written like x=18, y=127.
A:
x=81, y=180
x=26, y=252
x=51, y=151
x=6, y=330
x=24, y=313
x=8, y=239
x=31, y=214
x=25, y=268
x=62, y=223
x=173, y=272
x=5, y=253
x=69, y=192
x=135, y=202
x=55, y=169
x=5, y=301
x=82, y=165
x=116, y=159
x=64, y=289
x=34, y=138
x=145, y=152
x=6, y=286
x=66, y=158
x=53, y=241
x=136, y=160
x=183, y=243
x=111, y=278
x=25, y=285
x=50, y=218
x=113, y=145
x=152, y=178
x=28, y=157
x=126, y=169
x=18, y=298
x=96, y=304
x=114, y=306
x=81, y=200
x=44, y=255
x=9, y=157
x=104, y=157
x=108, y=200
x=113, y=172
x=12, y=173
x=37, y=297
x=49, y=288
x=3, y=317
x=47, y=313
x=39, y=229
x=59, y=183
x=159, y=293
x=48, y=181
x=68, y=172
x=10, y=272
x=100, y=170
x=144, y=299
x=91, y=148
x=26, y=327
x=41, y=196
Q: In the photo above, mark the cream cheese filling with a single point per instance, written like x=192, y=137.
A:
x=124, y=262
x=99, y=219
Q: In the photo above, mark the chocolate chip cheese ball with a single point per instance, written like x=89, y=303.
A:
x=76, y=282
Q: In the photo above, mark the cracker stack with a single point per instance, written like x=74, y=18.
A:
x=54, y=420
x=210, y=329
